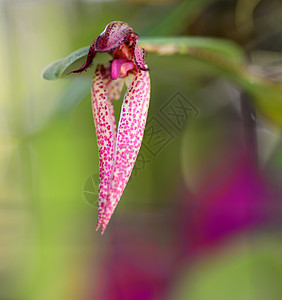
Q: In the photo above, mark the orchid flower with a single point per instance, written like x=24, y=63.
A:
x=118, y=149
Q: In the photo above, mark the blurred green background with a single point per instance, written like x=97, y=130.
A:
x=201, y=216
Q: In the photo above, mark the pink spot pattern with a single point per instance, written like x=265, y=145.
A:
x=139, y=55
x=103, y=113
x=117, y=150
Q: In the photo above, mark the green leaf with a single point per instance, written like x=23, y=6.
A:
x=164, y=45
x=224, y=55
x=57, y=68
x=183, y=45
x=75, y=60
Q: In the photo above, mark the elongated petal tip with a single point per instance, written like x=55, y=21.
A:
x=99, y=222
x=103, y=229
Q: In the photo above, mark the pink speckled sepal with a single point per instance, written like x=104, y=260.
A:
x=106, y=134
x=130, y=133
x=117, y=151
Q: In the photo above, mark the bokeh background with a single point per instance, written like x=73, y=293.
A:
x=200, y=218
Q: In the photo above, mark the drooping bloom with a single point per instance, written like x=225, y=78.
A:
x=118, y=148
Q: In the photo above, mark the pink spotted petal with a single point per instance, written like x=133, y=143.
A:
x=106, y=134
x=130, y=133
x=139, y=56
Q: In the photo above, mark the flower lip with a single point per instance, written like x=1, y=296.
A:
x=120, y=68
